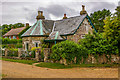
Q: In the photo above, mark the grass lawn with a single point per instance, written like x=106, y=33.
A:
x=61, y=66
x=4, y=75
x=20, y=61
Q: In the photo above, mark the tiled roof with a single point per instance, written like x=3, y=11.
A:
x=46, y=27
x=40, y=28
x=69, y=25
x=14, y=31
x=54, y=36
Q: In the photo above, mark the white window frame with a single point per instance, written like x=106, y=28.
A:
x=82, y=36
x=34, y=42
x=25, y=45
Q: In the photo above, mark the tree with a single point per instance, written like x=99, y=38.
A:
x=98, y=17
x=118, y=12
x=112, y=30
x=96, y=44
x=5, y=28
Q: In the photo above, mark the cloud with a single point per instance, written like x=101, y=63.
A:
x=119, y=3
x=23, y=12
x=55, y=10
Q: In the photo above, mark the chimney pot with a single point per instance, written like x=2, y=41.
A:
x=64, y=16
x=12, y=27
x=40, y=15
x=83, y=10
x=27, y=24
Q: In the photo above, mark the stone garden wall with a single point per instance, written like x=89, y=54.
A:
x=109, y=59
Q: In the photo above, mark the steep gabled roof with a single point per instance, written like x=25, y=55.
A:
x=14, y=31
x=69, y=25
x=40, y=28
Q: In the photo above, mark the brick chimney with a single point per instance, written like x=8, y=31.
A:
x=64, y=16
x=27, y=24
x=83, y=10
x=40, y=15
x=12, y=27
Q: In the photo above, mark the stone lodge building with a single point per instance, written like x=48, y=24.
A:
x=73, y=28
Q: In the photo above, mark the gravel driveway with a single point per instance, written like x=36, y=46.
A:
x=19, y=70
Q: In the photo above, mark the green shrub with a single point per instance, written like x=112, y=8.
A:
x=11, y=43
x=33, y=52
x=13, y=52
x=67, y=50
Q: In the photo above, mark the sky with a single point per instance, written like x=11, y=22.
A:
x=25, y=11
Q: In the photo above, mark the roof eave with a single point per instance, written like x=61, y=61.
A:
x=36, y=36
x=54, y=40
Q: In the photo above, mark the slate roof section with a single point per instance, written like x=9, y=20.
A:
x=14, y=31
x=55, y=36
x=40, y=28
x=69, y=25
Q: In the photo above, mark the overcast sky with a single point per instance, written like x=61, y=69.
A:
x=25, y=11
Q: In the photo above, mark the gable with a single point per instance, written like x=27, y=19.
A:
x=69, y=25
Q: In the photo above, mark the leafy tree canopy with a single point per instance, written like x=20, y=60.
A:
x=5, y=28
x=98, y=17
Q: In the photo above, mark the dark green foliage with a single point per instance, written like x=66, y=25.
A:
x=32, y=55
x=97, y=45
x=5, y=28
x=13, y=52
x=11, y=43
x=98, y=17
x=68, y=50
x=118, y=12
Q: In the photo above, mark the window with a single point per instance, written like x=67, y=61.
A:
x=6, y=37
x=82, y=36
x=26, y=46
x=9, y=37
x=36, y=44
x=14, y=37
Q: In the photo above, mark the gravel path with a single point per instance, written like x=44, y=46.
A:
x=19, y=70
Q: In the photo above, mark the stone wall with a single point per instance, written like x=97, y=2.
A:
x=30, y=41
x=83, y=29
x=92, y=60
